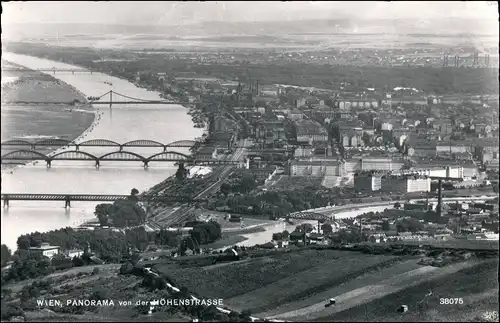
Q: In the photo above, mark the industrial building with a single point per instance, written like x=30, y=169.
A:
x=310, y=132
x=405, y=183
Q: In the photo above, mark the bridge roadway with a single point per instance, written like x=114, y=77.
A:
x=179, y=215
x=20, y=69
x=67, y=198
x=140, y=143
x=329, y=212
x=166, y=156
x=91, y=102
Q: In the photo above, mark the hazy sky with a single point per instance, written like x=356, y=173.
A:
x=175, y=13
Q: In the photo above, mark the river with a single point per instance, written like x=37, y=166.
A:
x=163, y=123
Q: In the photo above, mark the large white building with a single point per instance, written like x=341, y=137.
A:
x=45, y=250
x=406, y=184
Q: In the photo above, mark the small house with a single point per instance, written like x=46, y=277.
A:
x=73, y=253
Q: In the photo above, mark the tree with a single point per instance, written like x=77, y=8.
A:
x=98, y=294
x=126, y=268
x=304, y=227
x=277, y=236
x=134, y=259
x=386, y=226
x=326, y=228
x=6, y=255
x=181, y=172
x=9, y=310
x=225, y=188
x=285, y=234
x=409, y=225
x=102, y=211
x=61, y=262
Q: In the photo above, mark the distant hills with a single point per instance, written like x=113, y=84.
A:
x=275, y=28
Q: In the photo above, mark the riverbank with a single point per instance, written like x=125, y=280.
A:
x=32, y=123
x=121, y=124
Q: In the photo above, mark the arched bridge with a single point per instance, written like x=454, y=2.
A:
x=166, y=156
x=141, y=143
x=308, y=216
x=67, y=198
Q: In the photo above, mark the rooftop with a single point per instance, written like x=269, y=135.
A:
x=44, y=246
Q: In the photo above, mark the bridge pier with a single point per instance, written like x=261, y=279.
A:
x=67, y=202
x=6, y=202
x=49, y=164
x=165, y=148
x=146, y=165
x=73, y=72
x=121, y=146
x=77, y=147
x=97, y=164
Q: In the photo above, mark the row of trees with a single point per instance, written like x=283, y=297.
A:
x=238, y=183
x=277, y=204
x=122, y=213
x=206, y=232
x=108, y=244
x=6, y=254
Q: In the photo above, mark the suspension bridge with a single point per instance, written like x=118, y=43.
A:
x=17, y=156
x=141, y=143
x=92, y=198
x=108, y=100
x=44, y=70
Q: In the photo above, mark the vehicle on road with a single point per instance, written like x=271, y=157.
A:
x=403, y=309
x=330, y=302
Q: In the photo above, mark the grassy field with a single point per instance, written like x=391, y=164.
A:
x=109, y=286
x=239, y=278
x=360, y=281
x=477, y=286
x=451, y=243
x=309, y=282
x=259, y=284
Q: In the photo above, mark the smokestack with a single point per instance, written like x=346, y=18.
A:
x=440, y=198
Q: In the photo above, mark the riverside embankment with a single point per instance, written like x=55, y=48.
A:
x=163, y=123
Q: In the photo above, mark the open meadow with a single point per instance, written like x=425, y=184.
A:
x=476, y=285
x=294, y=285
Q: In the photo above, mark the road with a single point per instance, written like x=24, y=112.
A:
x=348, y=207
x=373, y=291
x=180, y=214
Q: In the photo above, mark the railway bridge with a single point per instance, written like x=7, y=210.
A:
x=67, y=198
x=19, y=156
x=57, y=142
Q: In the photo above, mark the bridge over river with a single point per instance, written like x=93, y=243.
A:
x=141, y=143
x=104, y=99
x=19, y=156
x=67, y=198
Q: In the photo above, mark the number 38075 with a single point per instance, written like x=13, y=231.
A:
x=451, y=301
